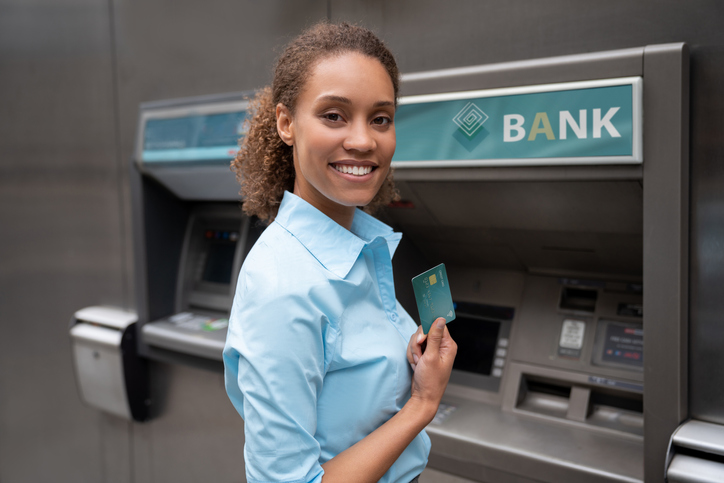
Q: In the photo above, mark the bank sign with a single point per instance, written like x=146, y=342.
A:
x=590, y=122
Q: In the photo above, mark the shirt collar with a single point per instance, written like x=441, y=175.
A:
x=335, y=247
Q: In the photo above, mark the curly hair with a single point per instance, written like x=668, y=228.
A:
x=264, y=165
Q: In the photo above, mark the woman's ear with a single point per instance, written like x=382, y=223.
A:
x=285, y=126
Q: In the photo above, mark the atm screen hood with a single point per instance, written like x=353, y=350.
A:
x=540, y=226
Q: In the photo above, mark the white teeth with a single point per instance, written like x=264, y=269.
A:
x=353, y=170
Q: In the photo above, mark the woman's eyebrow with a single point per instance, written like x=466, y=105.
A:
x=345, y=100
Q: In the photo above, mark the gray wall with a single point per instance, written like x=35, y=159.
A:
x=72, y=73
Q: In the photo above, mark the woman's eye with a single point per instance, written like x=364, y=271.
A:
x=381, y=120
x=332, y=116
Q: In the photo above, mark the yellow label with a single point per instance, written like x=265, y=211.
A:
x=433, y=279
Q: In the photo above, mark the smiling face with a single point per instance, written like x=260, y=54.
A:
x=342, y=133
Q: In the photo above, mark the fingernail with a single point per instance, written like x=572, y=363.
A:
x=415, y=358
x=413, y=367
x=441, y=324
x=419, y=338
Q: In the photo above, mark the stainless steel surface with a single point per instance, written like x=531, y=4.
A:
x=666, y=249
x=695, y=453
x=537, y=329
x=529, y=448
x=433, y=476
x=602, y=65
x=566, y=409
x=527, y=225
x=700, y=436
x=706, y=336
x=61, y=240
x=685, y=469
x=196, y=436
x=168, y=336
x=202, y=183
x=525, y=173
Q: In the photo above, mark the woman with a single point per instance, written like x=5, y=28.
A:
x=317, y=357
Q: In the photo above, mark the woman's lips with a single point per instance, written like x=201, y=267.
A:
x=354, y=170
x=354, y=167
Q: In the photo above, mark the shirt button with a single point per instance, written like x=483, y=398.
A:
x=393, y=317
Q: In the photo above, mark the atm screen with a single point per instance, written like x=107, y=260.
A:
x=477, y=340
x=219, y=256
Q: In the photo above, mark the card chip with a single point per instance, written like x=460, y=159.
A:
x=433, y=279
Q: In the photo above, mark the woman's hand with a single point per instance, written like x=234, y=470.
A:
x=431, y=367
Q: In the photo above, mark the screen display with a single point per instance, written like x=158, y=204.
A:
x=624, y=344
x=219, y=256
x=477, y=340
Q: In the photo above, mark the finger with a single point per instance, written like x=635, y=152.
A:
x=410, y=349
x=417, y=346
x=447, y=344
x=434, y=337
x=421, y=336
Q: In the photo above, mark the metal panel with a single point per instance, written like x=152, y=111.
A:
x=685, y=469
x=528, y=448
x=196, y=434
x=666, y=249
x=571, y=68
x=61, y=241
x=695, y=453
x=699, y=436
x=706, y=357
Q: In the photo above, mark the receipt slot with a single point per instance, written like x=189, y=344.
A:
x=110, y=375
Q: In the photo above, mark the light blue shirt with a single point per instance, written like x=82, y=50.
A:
x=315, y=356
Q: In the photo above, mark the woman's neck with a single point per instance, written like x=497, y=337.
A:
x=342, y=215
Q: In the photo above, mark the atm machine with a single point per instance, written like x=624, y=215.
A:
x=190, y=235
x=556, y=193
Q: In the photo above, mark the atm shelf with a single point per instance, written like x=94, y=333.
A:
x=477, y=438
x=166, y=335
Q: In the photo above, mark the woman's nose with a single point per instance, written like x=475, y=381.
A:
x=359, y=138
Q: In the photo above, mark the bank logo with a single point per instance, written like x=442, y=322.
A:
x=470, y=119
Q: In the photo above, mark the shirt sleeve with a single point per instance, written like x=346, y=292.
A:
x=275, y=366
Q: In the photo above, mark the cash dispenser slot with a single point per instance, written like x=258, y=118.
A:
x=578, y=299
x=590, y=405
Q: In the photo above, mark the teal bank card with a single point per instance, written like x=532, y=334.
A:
x=432, y=292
